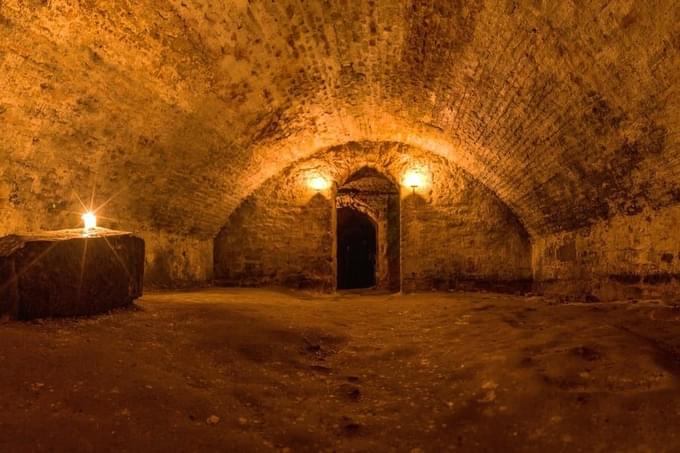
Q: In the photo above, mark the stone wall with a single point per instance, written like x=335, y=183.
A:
x=625, y=257
x=175, y=261
x=171, y=261
x=567, y=110
x=467, y=240
x=178, y=111
x=277, y=238
x=455, y=232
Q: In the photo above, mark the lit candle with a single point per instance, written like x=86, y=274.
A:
x=89, y=221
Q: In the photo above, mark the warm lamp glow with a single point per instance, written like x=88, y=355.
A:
x=89, y=220
x=414, y=179
x=318, y=183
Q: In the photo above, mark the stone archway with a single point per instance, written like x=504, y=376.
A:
x=372, y=194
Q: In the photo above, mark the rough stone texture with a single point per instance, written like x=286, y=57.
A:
x=454, y=231
x=278, y=236
x=567, y=110
x=439, y=372
x=177, y=261
x=63, y=273
x=171, y=261
x=625, y=257
x=465, y=240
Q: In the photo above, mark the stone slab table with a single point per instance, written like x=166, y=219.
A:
x=65, y=273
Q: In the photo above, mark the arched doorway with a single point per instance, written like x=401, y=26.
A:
x=357, y=246
x=368, y=213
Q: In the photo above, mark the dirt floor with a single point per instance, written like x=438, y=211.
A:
x=256, y=370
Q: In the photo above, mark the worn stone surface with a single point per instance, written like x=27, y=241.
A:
x=623, y=258
x=427, y=372
x=453, y=230
x=281, y=235
x=467, y=241
x=63, y=273
x=177, y=261
x=567, y=110
x=177, y=111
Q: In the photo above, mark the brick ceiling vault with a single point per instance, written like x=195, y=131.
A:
x=568, y=110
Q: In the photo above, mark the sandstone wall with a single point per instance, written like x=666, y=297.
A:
x=455, y=232
x=625, y=257
x=179, y=110
x=277, y=237
x=175, y=261
x=468, y=240
x=567, y=110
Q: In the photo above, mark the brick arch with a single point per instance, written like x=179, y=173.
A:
x=282, y=233
x=391, y=158
x=380, y=202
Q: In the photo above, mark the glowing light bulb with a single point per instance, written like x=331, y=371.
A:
x=414, y=179
x=318, y=183
x=89, y=221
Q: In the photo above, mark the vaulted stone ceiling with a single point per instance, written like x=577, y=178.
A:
x=568, y=110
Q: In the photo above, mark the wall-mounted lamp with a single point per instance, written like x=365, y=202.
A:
x=414, y=179
x=318, y=183
x=89, y=221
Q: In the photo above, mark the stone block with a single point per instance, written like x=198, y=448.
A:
x=65, y=273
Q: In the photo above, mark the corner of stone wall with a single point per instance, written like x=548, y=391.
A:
x=176, y=261
x=623, y=258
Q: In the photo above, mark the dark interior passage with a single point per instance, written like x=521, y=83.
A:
x=356, y=249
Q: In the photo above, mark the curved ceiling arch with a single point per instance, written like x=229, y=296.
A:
x=391, y=160
x=569, y=111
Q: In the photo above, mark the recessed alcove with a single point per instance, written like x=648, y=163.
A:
x=285, y=233
x=368, y=195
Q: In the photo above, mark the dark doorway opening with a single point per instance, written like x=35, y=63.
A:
x=356, y=249
x=371, y=194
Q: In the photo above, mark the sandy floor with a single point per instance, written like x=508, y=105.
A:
x=255, y=370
